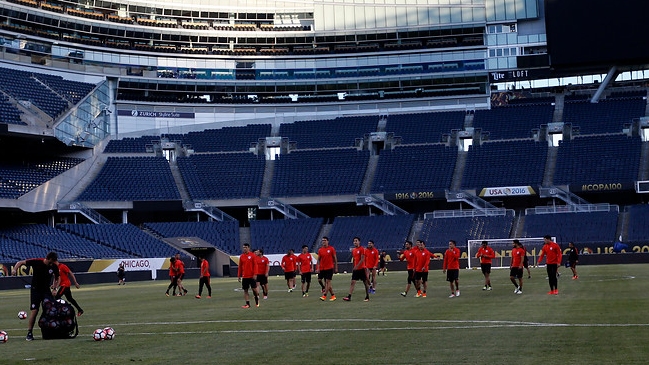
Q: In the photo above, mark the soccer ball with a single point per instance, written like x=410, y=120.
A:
x=99, y=334
x=109, y=333
x=3, y=336
x=22, y=314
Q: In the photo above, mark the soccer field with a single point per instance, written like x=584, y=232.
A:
x=601, y=318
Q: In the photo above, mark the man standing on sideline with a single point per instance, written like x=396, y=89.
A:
x=42, y=285
x=65, y=274
x=451, y=266
x=246, y=275
x=289, y=264
x=553, y=252
x=409, y=255
x=486, y=254
x=422, y=261
x=573, y=259
x=305, y=265
x=204, y=278
x=327, y=265
x=359, y=271
x=516, y=267
x=526, y=262
x=180, y=275
x=173, y=281
x=372, y=263
x=262, y=270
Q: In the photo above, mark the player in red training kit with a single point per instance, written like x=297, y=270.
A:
x=246, y=275
x=516, y=267
x=422, y=261
x=204, y=279
x=305, y=265
x=359, y=271
x=262, y=269
x=372, y=263
x=451, y=267
x=289, y=264
x=486, y=254
x=64, y=289
x=327, y=265
x=409, y=255
x=553, y=260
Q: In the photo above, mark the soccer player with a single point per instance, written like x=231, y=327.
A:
x=327, y=265
x=553, y=252
x=305, y=266
x=262, y=270
x=526, y=262
x=204, y=278
x=359, y=271
x=172, y=277
x=64, y=289
x=121, y=274
x=289, y=264
x=383, y=263
x=486, y=254
x=451, y=266
x=180, y=275
x=422, y=261
x=516, y=267
x=409, y=255
x=573, y=259
x=372, y=263
x=45, y=280
x=246, y=275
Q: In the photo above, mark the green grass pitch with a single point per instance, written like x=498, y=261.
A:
x=601, y=318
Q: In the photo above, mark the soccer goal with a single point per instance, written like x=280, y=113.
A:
x=503, y=248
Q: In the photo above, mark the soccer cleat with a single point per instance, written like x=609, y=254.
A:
x=515, y=290
x=198, y=297
x=575, y=277
x=306, y=294
x=403, y=294
x=167, y=293
x=519, y=291
x=30, y=336
x=372, y=291
x=245, y=306
x=347, y=298
x=551, y=292
x=457, y=293
x=555, y=292
x=529, y=276
x=333, y=297
x=423, y=295
x=80, y=313
x=418, y=295
x=185, y=291
x=484, y=287
x=452, y=295
x=209, y=297
x=367, y=299
x=323, y=298
x=489, y=287
x=290, y=290
x=265, y=296
x=257, y=305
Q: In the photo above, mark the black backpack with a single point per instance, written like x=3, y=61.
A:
x=58, y=320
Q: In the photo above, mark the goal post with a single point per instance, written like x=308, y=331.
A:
x=503, y=247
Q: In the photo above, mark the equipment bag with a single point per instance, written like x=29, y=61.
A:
x=58, y=320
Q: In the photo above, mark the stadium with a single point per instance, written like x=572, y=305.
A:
x=132, y=131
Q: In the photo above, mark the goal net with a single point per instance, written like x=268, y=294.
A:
x=503, y=249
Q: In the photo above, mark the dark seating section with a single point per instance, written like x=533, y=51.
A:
x=223, y=175
x=638, y=224
x=278, y=236
x=132, y=178
x=9, y=114
x=415, y=168
x=505, y=163
x=597, y=159
x=18, y=177
x=130, y=145
x=436, y=232
x=322, y=172
x=72, y=91
x=222, y=235
x=424, y=127
x=388, y=232
x=516, y=121
x=606, y=116
x=580, y=228
x=339, y=132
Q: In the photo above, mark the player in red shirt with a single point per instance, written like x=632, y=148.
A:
x=246, y=275
x=359, y=271
x=372, y=263
x=327, y=265
x=553, y=260
x=516, y=267
x=408, y=254
x=180, y=275
x=289, y=264
x=422, y=261
x=305, y=266
x=451, y=267
x=64, y=286
x=172, y=277
x=486, y=254
x=204, y=279
x=262, y=269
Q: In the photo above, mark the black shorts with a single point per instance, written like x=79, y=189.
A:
x=305, y=277
x=486, y=268
x=421, y=275
x=327, y=274
x=359, y=275
x=262, y=279
x=411, y=276
x=36, y=297
x=320, y=277
x=180, y=277
x=289, y=275
x=572, y=263
x=526, y=262
x=516, y=272
x=452, y=274
x=247, y=283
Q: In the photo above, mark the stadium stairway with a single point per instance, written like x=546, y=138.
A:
x=244, y=236
x=180, y=183
x=550, y=165
x=460, y=163
x=643, y=174
x=622, y=224
x=558, y=108
x=366, y=187
x=267, y=181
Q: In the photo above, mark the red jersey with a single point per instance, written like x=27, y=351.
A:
x=452, y=259
x=261, y=265
x=305, y=261
x=422, y=259
x=371, y=258
x=64, y=271
x=289, y=263
x=180, y=267
x=553, y=252
x=205, y=268
x=486, y=254
x=172, y=269
x=360, y=260
x=326, y=257
x=518, y=254
x=410, y=257
x=247, y=265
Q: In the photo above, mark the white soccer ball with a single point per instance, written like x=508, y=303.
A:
x=3, y=336
x=99, y=334
x=109, y=333
x=22, y=314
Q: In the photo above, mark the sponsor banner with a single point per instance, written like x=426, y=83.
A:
x=276, y=259
x=415, y=195
x=150, y=114
x=507, y=191
x=520, y=74
x=140, y=264
x=606, y=187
